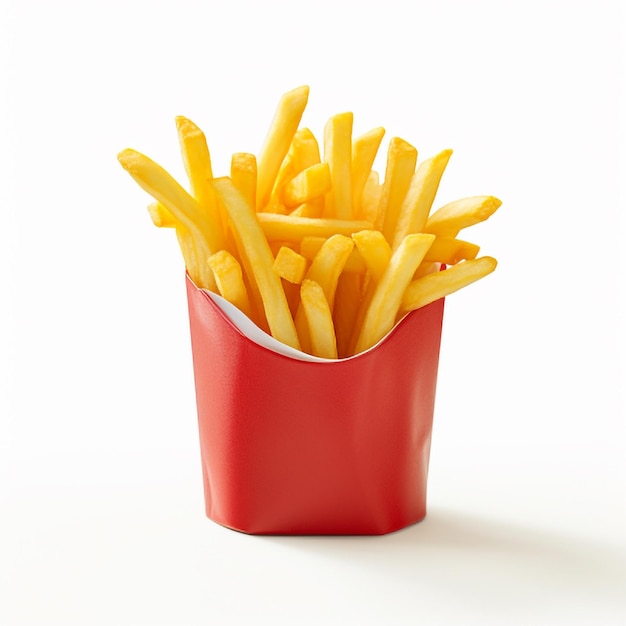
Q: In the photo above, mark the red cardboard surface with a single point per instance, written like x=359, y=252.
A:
x=296, y=447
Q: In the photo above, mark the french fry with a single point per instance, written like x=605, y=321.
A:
x=441, y=284
x=329, y=263
x=285, y=174
x=370, y=198
x=420, y=197
x=317, y=251
x=364, y=150
x=160, y=216
x=374, y=250
x=309, y=184
x=325, y=271
x=451, y=251
x=153, y=179
x=243, y=173
x=279, y=137
x=292, y=228
x=312, y=208
x=258, y=261
x=338, y=155
x=319, y=320
x=455, y=216
x=401, y=160
x=290, y=265
x=302, y=154
x=229, y=279
x=196, y=158
x=347, y=301
x=425, y=268
x=304, y=150
x=310, y=246
x=383, y=309
x=197, y=162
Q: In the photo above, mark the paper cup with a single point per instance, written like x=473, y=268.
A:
x=293, y=446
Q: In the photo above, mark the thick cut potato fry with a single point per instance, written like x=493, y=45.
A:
x=401, y=160
x=437, y=285
x=317, y=249
x=197, y=162
x=319, y=320
x=243, y=173
x=310, y=246
x=370, y=198
x=347, y=302
x=329, y=263
x=285, y=174
x=420, y=197
x=304, y=150
x=387, y=298
x=302, y=154
x=229, y=279
x=309, y=184
x=455, y=216
x=292, y=228
x=312, y=208
x=425, y=268
x=160, y=216
x=196, y=158
x=451, y=251
x=374, y=250
x=153, y=179
x=325, y=271
x=338, y=155
x=364, y=150
x=258, y=261
x=280, y=135
x=290, y=265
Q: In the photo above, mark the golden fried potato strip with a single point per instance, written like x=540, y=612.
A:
x=319, y=320
x=383, y=308
x=290, y=265
x=229, y=279
x=401, y=160
x=280, y=135
x=364, y=150
x=312, y=182
x=455, y=216
x=437, y=285
x=338, y=155
x=293, y=228
x=325, y=270
x=243, y=173
x=258, y=261
x=420, y=197
x=153, y=179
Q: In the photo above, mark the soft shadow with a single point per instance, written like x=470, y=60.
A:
x=481, y=560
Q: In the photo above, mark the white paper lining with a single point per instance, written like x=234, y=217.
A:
x=253, y=332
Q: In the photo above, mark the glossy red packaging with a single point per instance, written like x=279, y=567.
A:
x=296, y=447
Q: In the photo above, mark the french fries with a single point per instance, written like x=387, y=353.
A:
x=387, y=297
x=317, y=249
x=229, y=279
x=319, y=320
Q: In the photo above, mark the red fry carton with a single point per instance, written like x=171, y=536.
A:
x=295, y=445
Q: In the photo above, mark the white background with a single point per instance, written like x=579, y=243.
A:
x=101, y=511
